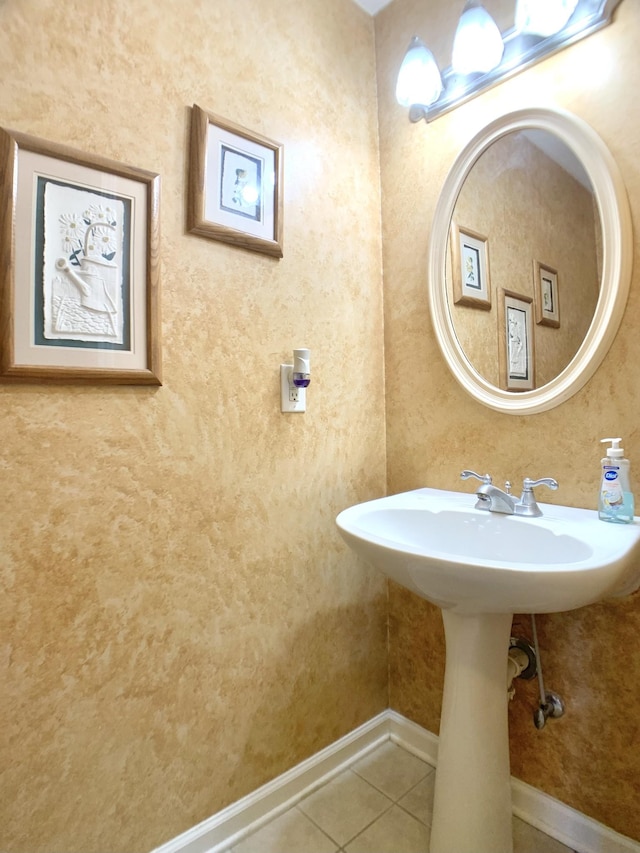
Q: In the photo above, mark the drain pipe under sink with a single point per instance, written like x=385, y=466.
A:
x=518, y=661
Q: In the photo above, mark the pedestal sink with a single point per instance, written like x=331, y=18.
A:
x=480, y=568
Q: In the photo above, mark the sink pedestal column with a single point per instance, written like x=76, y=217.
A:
x=472, y=803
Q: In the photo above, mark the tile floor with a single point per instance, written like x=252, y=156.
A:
x=381, y=804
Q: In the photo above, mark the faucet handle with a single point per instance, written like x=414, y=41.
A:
x=528, y=484
x=528, y=505
x=484, y=478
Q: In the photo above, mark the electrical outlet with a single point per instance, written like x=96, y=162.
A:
x=292, y=399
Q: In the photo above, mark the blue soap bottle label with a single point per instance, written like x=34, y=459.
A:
x=612, y=497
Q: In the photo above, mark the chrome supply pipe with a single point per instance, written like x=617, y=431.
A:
x=551, y=705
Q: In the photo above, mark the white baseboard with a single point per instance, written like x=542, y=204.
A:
x=248, y=814
x=565, y=824
x=243, y=817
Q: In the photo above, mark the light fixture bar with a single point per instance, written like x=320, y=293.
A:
x=521, y=50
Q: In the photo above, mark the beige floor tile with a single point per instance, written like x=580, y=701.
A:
x=344, y=806
x=394, y=832
x=528, y=839
x=292, y=832
x=392, y=770
x=419, y=800
x=356, y=813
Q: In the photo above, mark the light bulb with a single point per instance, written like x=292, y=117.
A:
x=477, y=46
x=419, y=80
x=543, y=17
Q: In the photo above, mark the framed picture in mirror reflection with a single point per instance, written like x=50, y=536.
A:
x=547, y=300
x=470, y=268
x=516, y=349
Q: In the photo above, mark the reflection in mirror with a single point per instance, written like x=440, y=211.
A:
x=526, y=222
x=548, y=249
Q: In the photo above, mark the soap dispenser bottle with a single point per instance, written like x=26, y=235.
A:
x=615, y=500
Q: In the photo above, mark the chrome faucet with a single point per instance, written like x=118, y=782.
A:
x=493, y=499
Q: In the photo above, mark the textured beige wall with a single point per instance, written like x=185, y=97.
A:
x=589, y=759
x=180, y=621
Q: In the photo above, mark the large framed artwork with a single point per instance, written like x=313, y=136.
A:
x=79, y=280
x=235, y=191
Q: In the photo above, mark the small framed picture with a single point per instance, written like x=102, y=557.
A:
x=547, y=295
x=235, y=191
x=470, y=267
x=79, y=282
x=516, y=350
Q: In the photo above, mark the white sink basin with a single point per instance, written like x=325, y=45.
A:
x=472, y=561
x=480, y=568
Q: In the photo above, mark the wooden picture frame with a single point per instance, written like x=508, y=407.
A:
x=79, y=271
x=235, y=191
x=470, y=268
x=516, y=343
x=547, y=295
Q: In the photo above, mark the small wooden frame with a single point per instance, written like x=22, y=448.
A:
x=547, y=296
x=79, y=271
x=235, y=189
x=470, y=267
x=516, y=344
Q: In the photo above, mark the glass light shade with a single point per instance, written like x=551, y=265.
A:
x=478, y=45
x=543, y=17
x=419, y=80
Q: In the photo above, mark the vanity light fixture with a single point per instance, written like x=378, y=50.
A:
x=543, y=17
x=483, y=56
x=477, y=45
x=419, y=79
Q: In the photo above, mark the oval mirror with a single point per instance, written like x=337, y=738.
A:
x=529, y=260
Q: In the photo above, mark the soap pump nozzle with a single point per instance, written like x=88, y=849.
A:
x=615, y=451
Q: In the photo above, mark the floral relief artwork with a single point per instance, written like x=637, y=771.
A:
x=517, y=352
x=517, y=343
x=79, y=266
x=85, y=279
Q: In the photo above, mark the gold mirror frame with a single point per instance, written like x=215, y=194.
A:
x=615, y=218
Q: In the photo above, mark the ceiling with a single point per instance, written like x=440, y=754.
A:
x=373, y=6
